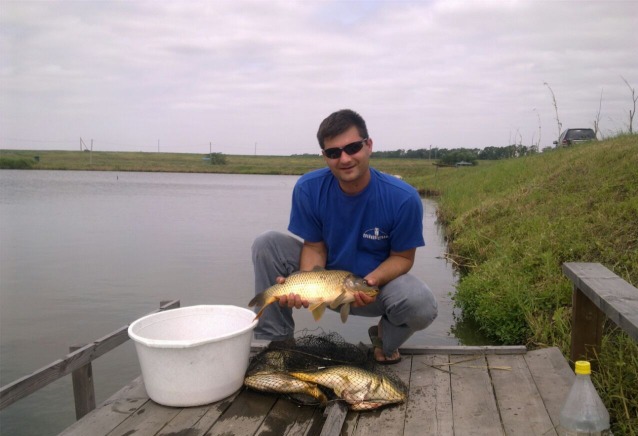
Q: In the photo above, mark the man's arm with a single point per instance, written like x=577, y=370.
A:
x=397, y=264
x=313, y=254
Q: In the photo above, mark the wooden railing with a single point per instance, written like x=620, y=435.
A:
x=78, y=363
x=599, y=294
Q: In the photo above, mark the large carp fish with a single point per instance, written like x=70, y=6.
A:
x=361, y=389
x=321, y=288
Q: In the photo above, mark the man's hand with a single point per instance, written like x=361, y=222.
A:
x=293, y=300
x=363, y=299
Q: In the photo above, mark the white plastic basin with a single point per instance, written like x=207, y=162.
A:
x=193, y=355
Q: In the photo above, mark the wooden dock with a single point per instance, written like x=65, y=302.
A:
x=452, y=391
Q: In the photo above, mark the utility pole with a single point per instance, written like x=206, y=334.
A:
x=91, y=154
x=210, y=152
x=255, y=148
x=158, y=146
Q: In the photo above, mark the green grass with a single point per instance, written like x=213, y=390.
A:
x=511, y=225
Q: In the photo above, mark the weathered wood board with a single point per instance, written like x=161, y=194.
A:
x=449, y=394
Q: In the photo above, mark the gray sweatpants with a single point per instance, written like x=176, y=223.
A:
x=405, y=304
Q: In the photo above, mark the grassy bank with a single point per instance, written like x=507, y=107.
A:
x=512, y=224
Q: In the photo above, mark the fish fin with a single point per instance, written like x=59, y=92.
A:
x=258, y=300
x=345, y=311
x=365, y=405
x=263, y=304
x=314, y=269
x=337, y=301
x=317, y=310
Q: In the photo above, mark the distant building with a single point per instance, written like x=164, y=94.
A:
x=463, y=164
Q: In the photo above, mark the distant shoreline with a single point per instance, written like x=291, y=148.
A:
x=413, y=171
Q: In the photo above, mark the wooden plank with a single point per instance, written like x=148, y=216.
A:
x=615, y=297
x=350, y=424
x=553, y=378
x=83, y=388
x=42, y=377
x=335, y=415
x=281, y=418
x=520, y=404
x=587, y=327
x=195, y=421
x=305, y=419
x=474, y=406
x=316, y=423
x=29, y=384
x=112, y=412
x=389, y=420
x=429, y=409
x=245, y=414
x=463, y=349
x=147, y=420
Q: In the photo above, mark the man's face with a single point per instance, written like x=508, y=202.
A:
x=352, y=171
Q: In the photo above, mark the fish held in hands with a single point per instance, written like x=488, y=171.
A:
x=321, y=288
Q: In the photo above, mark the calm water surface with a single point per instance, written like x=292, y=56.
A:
x=84, y=253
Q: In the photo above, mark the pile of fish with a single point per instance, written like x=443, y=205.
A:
x=322, y=288
x=318, y=369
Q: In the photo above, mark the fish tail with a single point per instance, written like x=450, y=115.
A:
x=260, y=301
x=259, y=313
x=315, y=392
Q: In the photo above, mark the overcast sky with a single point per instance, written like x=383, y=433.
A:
x=261, y=75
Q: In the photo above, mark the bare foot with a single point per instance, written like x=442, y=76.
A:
x=380, y=356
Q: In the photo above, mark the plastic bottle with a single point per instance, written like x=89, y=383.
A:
x=583, y=412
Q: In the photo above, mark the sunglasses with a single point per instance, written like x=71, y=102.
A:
x=350, y=149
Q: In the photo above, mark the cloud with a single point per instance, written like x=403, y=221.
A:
x=236, y=73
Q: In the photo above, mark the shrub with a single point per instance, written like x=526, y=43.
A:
x=7, y=163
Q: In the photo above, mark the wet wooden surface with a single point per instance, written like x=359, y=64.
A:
x=449, y=394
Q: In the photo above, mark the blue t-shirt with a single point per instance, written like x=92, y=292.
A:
x=359, y=230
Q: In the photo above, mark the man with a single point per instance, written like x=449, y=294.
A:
x=350, y=217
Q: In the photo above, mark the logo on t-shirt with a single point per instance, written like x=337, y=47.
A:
x=375, y=234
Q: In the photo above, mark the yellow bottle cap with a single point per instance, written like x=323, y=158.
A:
x=582, y=367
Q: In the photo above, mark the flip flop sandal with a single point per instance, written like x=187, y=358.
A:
x=373, y=333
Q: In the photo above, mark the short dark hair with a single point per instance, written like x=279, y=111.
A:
x=338, y=122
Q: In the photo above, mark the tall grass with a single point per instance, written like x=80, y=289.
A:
x=512, y=224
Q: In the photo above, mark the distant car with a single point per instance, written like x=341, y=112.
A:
x=575, y=136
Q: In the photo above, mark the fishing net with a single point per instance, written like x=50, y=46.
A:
x=314, y=369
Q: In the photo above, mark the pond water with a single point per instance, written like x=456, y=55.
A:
x=84, y=253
